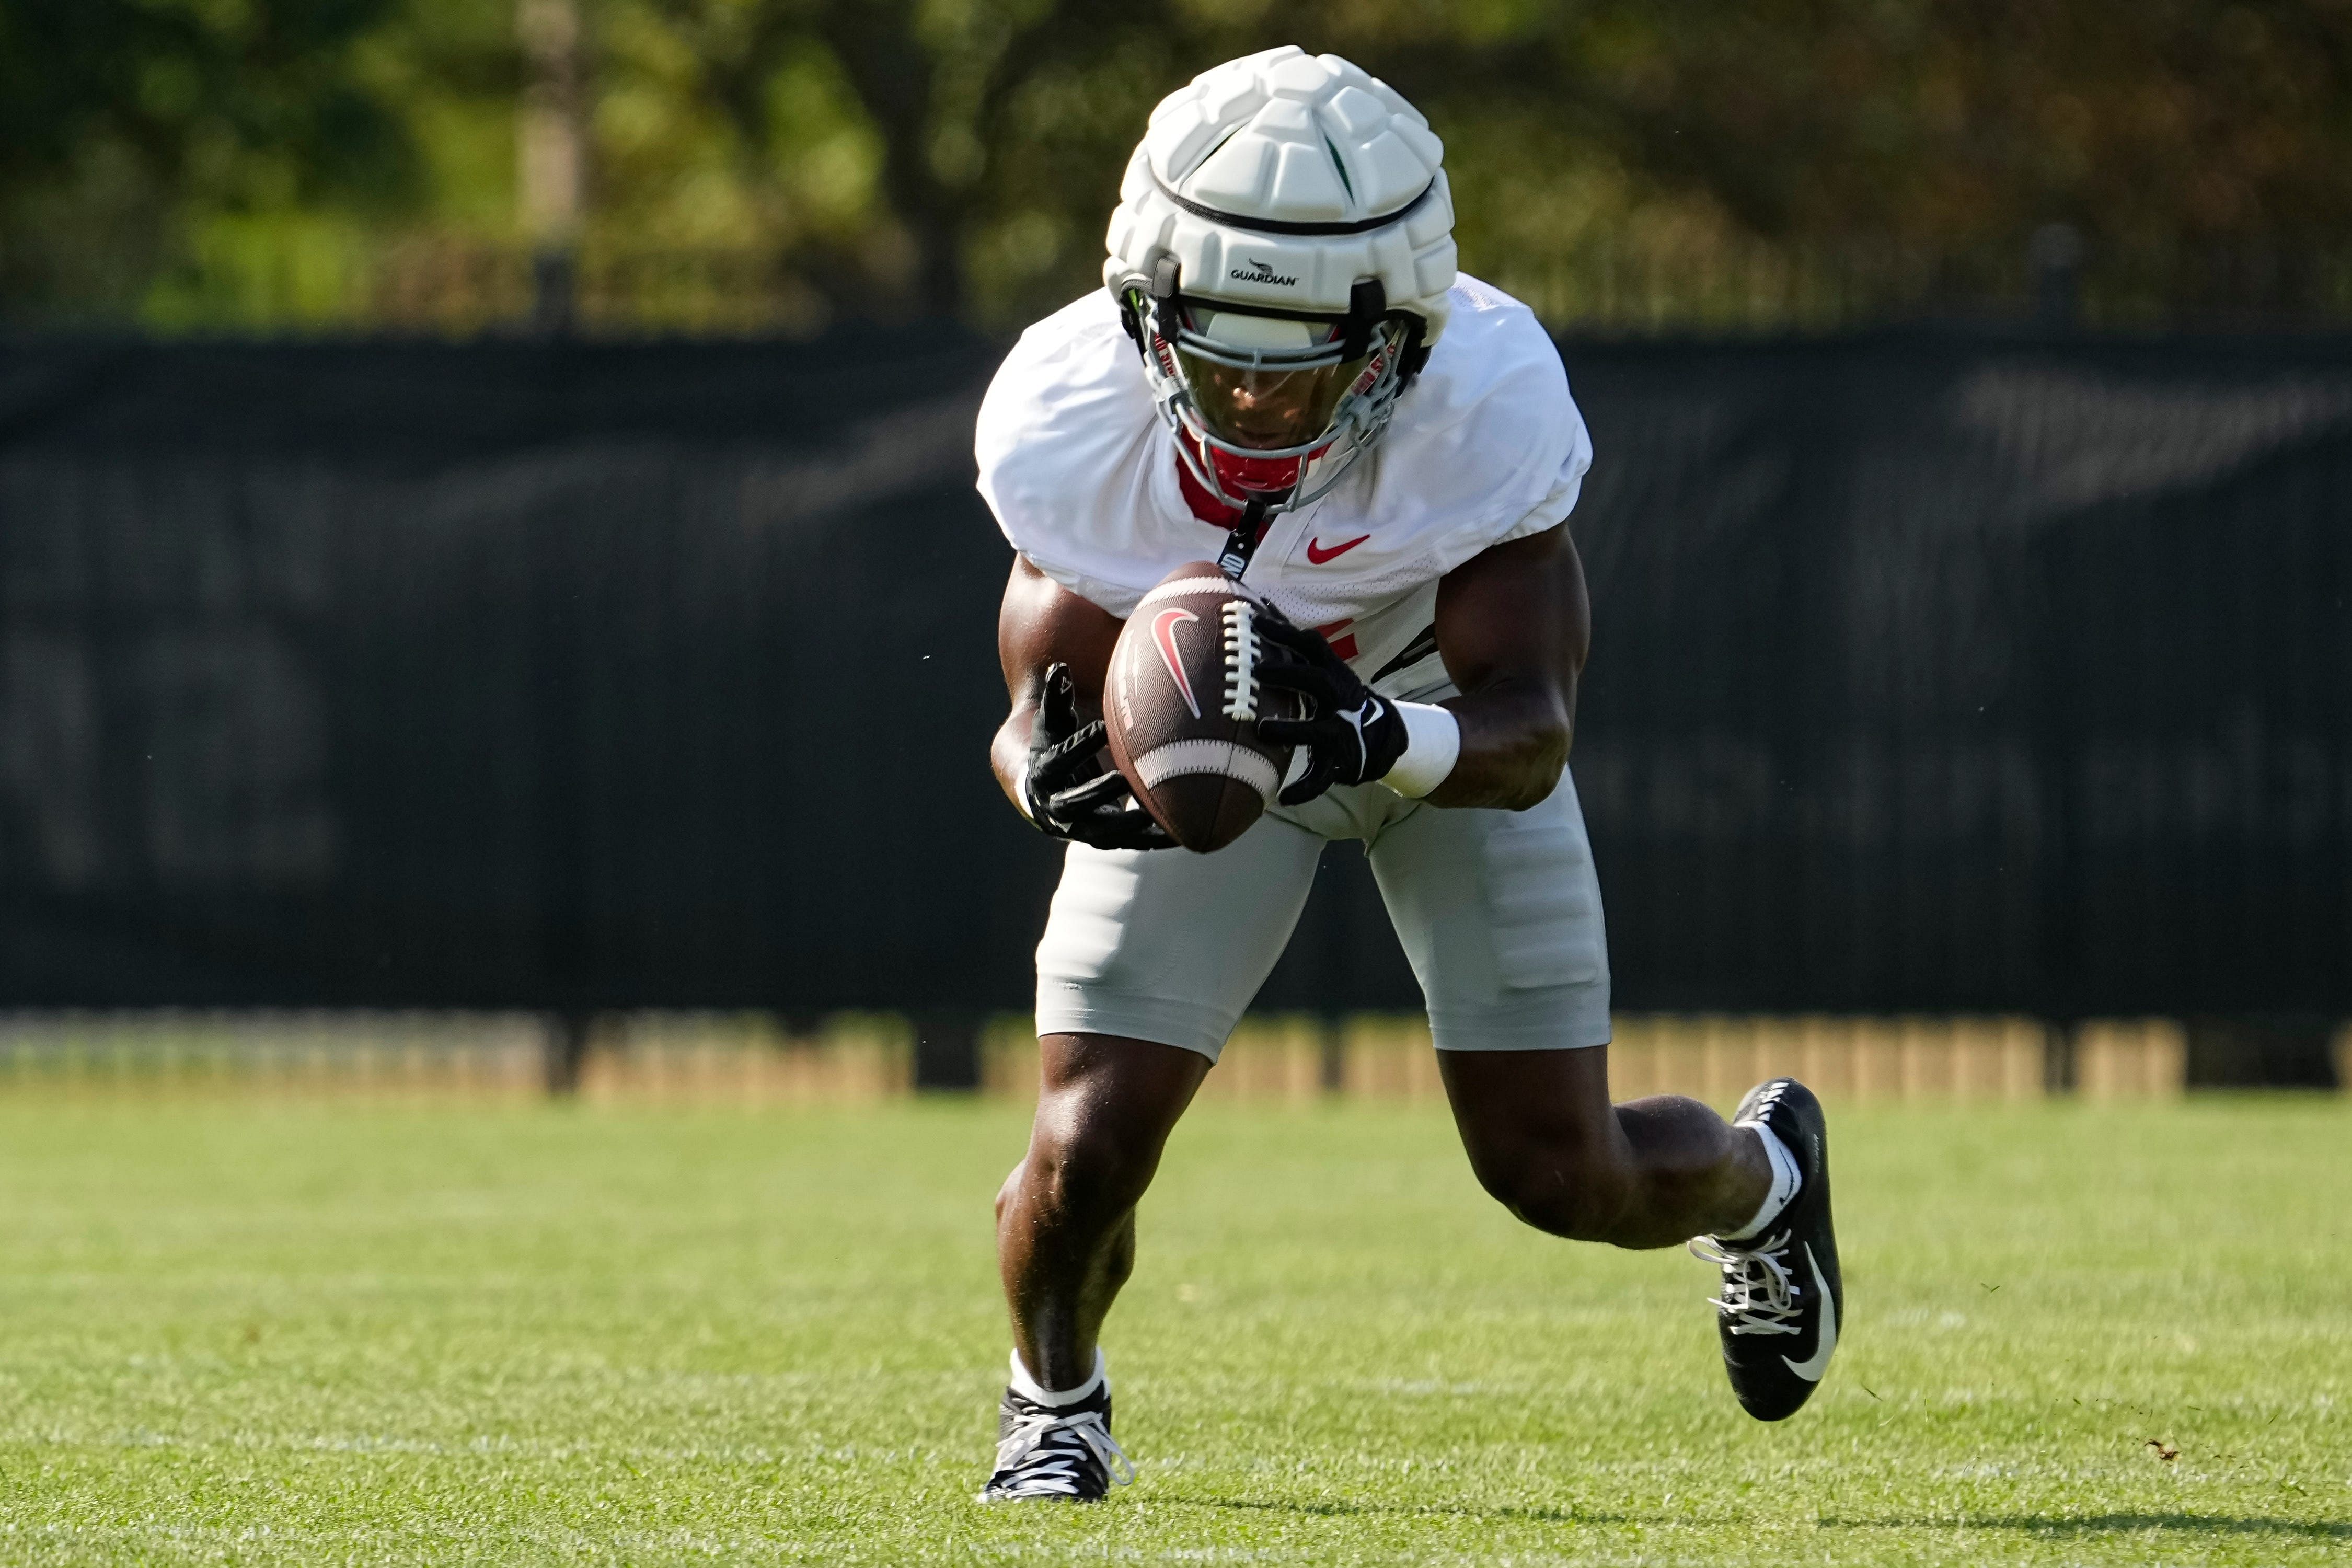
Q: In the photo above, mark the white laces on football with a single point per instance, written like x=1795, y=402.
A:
x=1758, y=1292
x=1045, y=1454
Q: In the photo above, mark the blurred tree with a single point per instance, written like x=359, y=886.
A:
x=1910, y=132
x=117, y=115
x=1932, y=128
x=1957, y=121
x=1611, y=157
x=938, y=86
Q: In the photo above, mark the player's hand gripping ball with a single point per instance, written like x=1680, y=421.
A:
x=1066, y=791
x=1183, y=701
x=1351, y=733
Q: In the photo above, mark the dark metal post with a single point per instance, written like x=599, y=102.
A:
x=554, y=289
x=2266, y=1050
x=2057, y=256
x=946, y=1052
x=552, y=145
x=2058, y=1057
x=566, y=1048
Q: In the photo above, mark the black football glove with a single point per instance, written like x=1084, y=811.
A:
x=1068, y=792
x=1352, y=733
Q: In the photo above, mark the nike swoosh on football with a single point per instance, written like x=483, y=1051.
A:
x=1813, y=1365
x=1318, y=555
x=1163, y=635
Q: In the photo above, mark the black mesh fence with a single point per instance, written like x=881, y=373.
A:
x=1954, y=674
x=1931, y=672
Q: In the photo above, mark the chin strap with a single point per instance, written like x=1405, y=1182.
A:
x=1242, y=542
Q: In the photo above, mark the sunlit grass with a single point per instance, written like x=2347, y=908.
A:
x=521, y=1334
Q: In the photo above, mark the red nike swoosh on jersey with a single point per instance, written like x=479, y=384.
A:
x=1318, y=555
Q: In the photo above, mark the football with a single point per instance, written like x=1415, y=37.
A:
x=1181, y=702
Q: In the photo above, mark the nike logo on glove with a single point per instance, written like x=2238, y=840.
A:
x=1813, y=1365
x=1319, y=556
x=1357, y=718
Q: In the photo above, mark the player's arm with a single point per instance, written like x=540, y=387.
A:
x=1056, y=650
x=1512, y=625
x=1042, y=624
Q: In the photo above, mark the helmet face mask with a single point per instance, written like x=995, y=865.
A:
x=1268, y=404
x=1253, y=418
x=1281, y=255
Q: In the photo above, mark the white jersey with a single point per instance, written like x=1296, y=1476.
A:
x=1486, y=445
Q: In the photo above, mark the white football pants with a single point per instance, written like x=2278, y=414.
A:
x=1499, y=912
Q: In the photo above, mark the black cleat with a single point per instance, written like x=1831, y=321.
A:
x=1063, y=1454
x=1782, y=1293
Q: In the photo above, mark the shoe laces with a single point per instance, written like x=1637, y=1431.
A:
x=1047, y=1453
x=1760, y=1293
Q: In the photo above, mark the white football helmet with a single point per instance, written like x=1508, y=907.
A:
x=1280, y=254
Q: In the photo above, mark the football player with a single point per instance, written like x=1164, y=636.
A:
x=1285, y=372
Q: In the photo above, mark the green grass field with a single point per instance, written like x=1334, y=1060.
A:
x=232, y=1332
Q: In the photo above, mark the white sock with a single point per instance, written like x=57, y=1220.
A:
x=1030, y=1389
x=1785, y=1181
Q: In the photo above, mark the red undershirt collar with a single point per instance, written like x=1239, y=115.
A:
x=1205, y=507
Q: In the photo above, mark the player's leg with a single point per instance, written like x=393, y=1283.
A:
x=1755, y=1191
x=1500, y=913
x=1147, y=962
x=1544, y=1140
x=1065, y=1217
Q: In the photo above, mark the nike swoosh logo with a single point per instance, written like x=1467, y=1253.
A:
x=1813, y=1365
x=1318, y=555
x=1163, y=635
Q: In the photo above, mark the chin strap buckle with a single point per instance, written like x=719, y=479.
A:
x=1368, y=306
x=1242, y=542
x=1167, y=279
